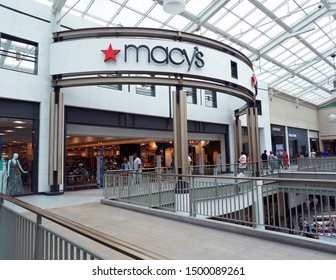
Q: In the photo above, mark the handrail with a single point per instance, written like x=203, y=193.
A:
x=116, y=244
x=246, y=178
x=263, y=203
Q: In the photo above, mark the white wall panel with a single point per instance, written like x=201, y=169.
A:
x=287, y=113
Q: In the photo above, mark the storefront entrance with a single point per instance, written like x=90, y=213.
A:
x=19, y=134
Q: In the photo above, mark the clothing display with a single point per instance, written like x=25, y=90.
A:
x=3, y=175
x=14, y=183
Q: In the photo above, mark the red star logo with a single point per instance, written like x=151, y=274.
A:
x=110, y=53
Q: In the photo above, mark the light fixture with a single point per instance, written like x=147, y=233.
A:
x=331, y=118
x=152, y=146
x=333, y=90
x=173, y=6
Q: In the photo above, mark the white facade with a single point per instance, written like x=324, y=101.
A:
x=35, y=22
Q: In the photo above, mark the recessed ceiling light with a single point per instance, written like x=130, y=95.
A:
x=19, y=127
x=20, y=122
x=9, y=130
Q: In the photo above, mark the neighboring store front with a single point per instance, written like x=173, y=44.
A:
x=327, y=135
x=314, y=141
x=278, y=135
x=19, y=134
x=330, y=146
x=298, y=142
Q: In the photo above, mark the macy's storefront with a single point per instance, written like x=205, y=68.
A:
x=122, y=88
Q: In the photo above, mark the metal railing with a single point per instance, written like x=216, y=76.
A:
x=264, y=202
x=319, y=164
x=26, y=239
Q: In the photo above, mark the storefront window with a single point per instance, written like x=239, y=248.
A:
x=18, y=54
x=210, y=99
x=16, y=146
x=115, y=87
x=191, y=95
x=144, y=89
x=298, y=143
x=148, y=90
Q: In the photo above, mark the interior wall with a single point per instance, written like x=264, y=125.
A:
x=287, y=112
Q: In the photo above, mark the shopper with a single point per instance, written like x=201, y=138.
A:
x=190, y=162
x=271, y=158
x=137, y=177
x=125, y=164
x=300, y=223
x=313, y=153
x=264, y=159
x=242, y=163
x=285, y=160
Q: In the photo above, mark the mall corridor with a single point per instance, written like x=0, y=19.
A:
x=170, y=238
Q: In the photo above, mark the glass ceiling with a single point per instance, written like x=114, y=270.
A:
x=292, y=43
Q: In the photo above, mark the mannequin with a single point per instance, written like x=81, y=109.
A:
x=3, y=174
x=15, y=185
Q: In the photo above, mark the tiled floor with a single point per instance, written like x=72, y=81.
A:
x=172, y=239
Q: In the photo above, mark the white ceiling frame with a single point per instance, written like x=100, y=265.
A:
x=205, y=16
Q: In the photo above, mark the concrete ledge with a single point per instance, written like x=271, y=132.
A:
x=293, y=240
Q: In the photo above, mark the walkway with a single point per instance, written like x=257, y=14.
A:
x=173, y=239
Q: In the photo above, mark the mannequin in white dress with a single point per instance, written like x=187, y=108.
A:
x=3, y=174
x=14, y=184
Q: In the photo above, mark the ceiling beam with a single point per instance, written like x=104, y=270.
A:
x=303, y=67
x=208, y=13
x=58, y=5
x=307, y=21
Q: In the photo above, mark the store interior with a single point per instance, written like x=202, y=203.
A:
x=83, y=151
x=83, y=155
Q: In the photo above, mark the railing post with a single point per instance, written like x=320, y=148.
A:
x=2, y=223
x=192, y=202
x=257, y=204
x=158, y=160
x=39, y=240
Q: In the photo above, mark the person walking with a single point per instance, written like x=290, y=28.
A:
x=137, y=177
x=126, y=166
x=285, y=160
x=264, y=160
x=190, y=162
x=242, y=163
x=271, y=160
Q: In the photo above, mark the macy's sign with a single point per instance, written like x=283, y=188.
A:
x=159, y=55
